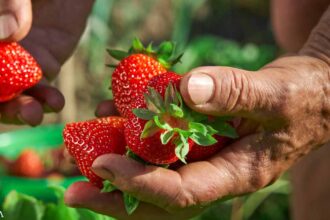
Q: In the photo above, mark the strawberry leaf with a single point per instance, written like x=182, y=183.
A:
x=198, y=127
x=166, y=137
x=203, y=140
x=224, y=129
x=150, y=104
x=162, y=124
x=176, y=111
x=211, y=130
x=150, y=128
x=118, y=54
x=108, y=187
x=150, y=49
x=169, y=96
x=111, y=65
x=156, y=98
x=137, y=45
x=182, y=148
x=142, y=113
x=165, y=50
x=131, y=203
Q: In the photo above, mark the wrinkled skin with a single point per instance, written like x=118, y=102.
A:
x=55, y=31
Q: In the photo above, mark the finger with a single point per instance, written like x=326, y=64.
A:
x=22, y=110
x=106, y=108
x=15, y=19
x=50, y=97
x=85, y=195
x=151, y=184
x=229, y=91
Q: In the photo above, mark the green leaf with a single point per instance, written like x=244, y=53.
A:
x=111, y=65
x=131, y=203
x=176, y=111
x=169, y=96
x=143, y=113
x=203, y=140
x=156, y=98
x=108, y=187
x=176, y=59
x=162, y=124
x=137, y=45
x=198, y=127
x=150, y=49
x=18, y=206
x=211, y=130
x=118, y=54
x=179, y=98
x=151, y=104
x=165, y=50
x=166, y=137
x=150, y=128
x=224, y=129
x=182, y=148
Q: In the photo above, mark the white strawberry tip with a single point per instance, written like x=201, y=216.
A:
x=165, y=53
x=178, y=123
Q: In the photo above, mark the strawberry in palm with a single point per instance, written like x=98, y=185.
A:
x=18, y=70
x=85, y=141
x=135, y=69
x=162, y=130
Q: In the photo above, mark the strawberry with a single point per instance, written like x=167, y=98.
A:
x=85, y=141
x=149, y=147
x=28, y=164
x=161, y=129
x=135, y=69
x=18, y=70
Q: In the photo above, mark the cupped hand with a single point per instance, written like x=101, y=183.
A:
x=50, y=31
x=285, y=108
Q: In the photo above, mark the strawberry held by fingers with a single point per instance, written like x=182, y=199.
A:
x=18, y=70
x=85, y=141
x=162, y=130
x=135, y=69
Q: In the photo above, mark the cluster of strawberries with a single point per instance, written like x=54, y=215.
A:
x=154, y=125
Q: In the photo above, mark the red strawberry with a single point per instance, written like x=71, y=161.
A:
x=18, y=70
x=85, y=141
x=135, y=69
x=28, y=164
x=161, y=118
x=150, y=149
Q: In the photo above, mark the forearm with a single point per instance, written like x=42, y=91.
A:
x=293, y=21
x=318, y=43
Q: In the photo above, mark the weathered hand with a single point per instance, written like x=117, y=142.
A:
x=286, y=112
x=56, y=28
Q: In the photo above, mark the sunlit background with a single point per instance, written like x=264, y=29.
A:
x=209, y=32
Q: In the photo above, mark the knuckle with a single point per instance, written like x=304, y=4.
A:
x=235, y=92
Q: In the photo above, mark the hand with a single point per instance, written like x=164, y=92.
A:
x=286, y=113
x=55, y=31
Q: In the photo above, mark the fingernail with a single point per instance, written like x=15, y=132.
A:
x=8, y=25
x=200, y=88
x=103, y=173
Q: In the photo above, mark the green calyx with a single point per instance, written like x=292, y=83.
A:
x=164, y=53
x=178, y=124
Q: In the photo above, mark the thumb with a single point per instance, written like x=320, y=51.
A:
x=228, y=91
x=15, y=19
